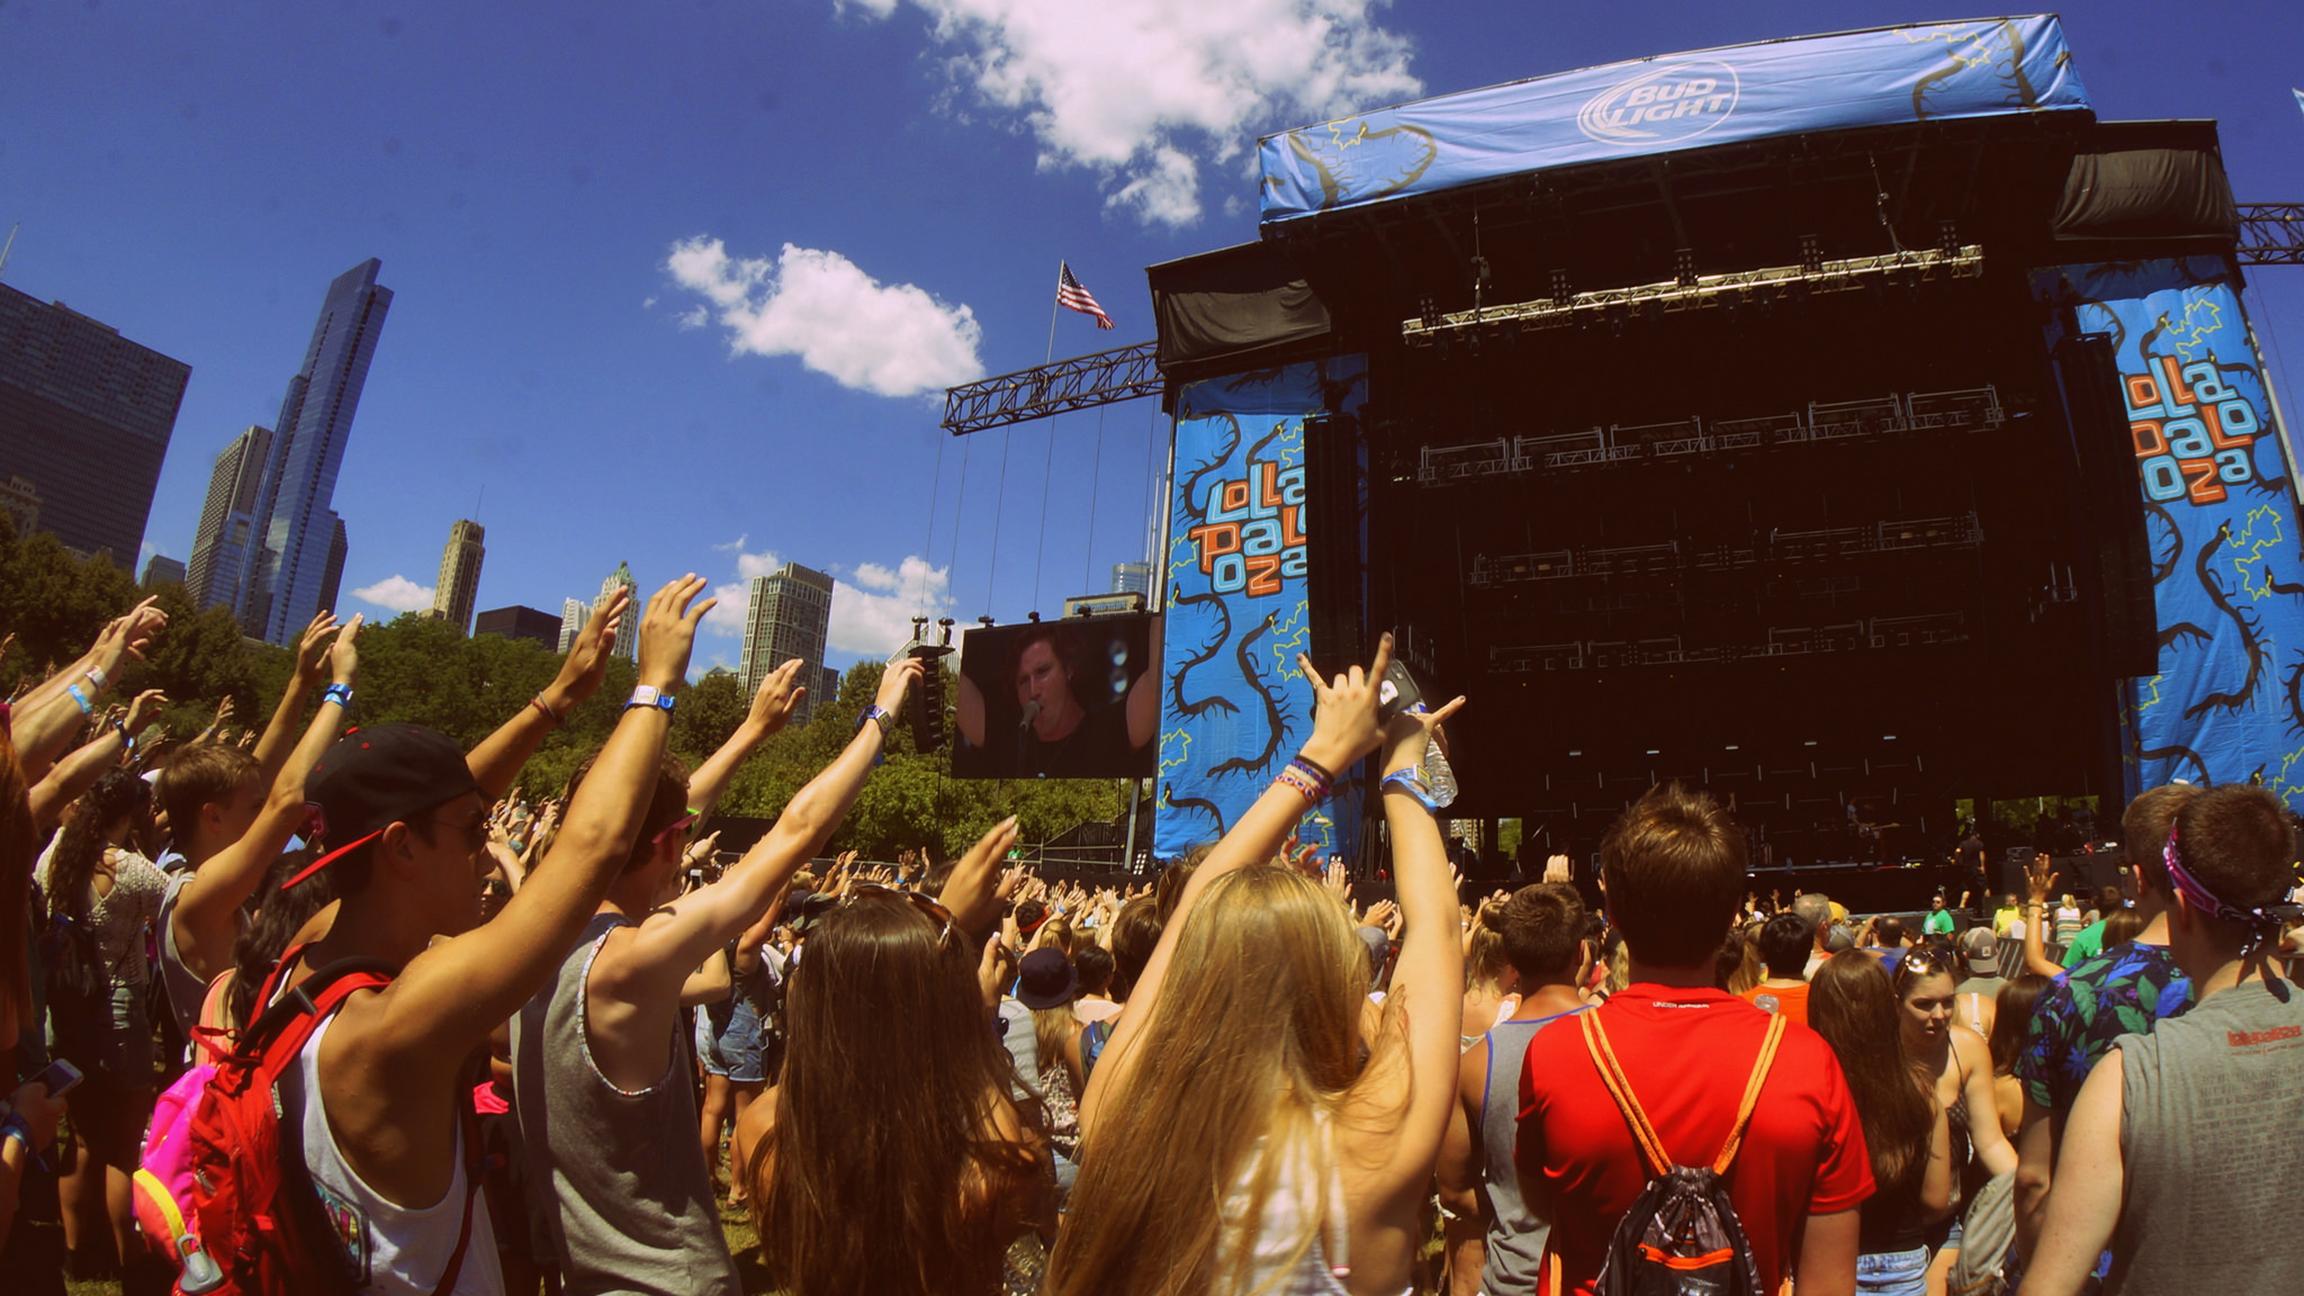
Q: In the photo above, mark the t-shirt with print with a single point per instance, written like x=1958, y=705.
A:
x=1938, y=922
x=2088, y=944
x=1792, y=1001
x=1687, y=1053
x=2093, y=1003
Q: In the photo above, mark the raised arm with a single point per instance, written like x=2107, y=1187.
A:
x=497, y=761
x=311, y=666
x=79, y=771
x=772, y=708
x=43, y=721
x=203, y=920
x=1428, y=976
x=453, y=994
x=674, y=939
x=1344, y=730
x=2039, y=883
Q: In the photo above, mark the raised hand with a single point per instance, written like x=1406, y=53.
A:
x=1410, y=732
x=1337, y=885
x=344, y=653
x=703, y=847
x=779, y=696
x=1383, y=914
x=312, y=652
x=1556, y=868
x=668, y=632
x=129, y=635
x=587, y=663
x=895, y=682
x=146, y=706
x=2040, y=878
x=223, y=713
x=1345, y=727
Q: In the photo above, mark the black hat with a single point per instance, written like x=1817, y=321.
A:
x=373, y=778
x=1046, y=979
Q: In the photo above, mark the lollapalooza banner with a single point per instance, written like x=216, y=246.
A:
x=2227, y=573
x=1233, y=706
x=1889, y=76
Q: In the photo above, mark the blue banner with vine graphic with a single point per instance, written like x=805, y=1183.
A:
x=1234, y=708
x=2227, y=705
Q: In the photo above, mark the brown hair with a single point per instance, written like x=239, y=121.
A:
x=199, y=775
x=1541, y=930
x=2120, y=927
x=1268, y=1018
x=1135, y=934
x=2239, y=842
x=2012, y=1019
x=2144, y=831
x=853, y=1194
x=1851, y=1004
x=1674, y=867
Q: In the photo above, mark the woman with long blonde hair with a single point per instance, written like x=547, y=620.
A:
x=1254, y=1124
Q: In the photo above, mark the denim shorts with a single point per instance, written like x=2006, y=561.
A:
x=1893, y=1273
x=735, y=1051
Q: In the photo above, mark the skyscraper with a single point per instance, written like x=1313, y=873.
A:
x=459, y=581
x=287, y=565
x=227, y=520
x=573, y=614
x=332, y=573
x=85, y=417
x=627, y=633
x=1132, y=578
x=159, y=570
x=517, y=622
x=789, y=615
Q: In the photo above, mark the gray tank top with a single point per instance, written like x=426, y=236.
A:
x=630, y=1202
x=186, y=992
x=1519, y=1230
x=2208, y=1132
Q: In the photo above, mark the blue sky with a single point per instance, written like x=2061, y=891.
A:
x=680, y=284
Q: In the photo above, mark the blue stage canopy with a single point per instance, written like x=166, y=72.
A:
x=1674, y=102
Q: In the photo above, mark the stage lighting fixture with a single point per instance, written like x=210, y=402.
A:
x=945, y=624
x=1561, y=292
x=986, y=621
x=1811, y=254
x=1947, y=238
x=1033, y=617
x=1428, y=310
x=1684, y=267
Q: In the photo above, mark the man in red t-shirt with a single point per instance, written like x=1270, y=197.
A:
x=1673, y=872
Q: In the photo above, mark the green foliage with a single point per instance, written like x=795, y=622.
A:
x=417, y=670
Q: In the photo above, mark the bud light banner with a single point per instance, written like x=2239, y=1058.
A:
x=1883, y=77
x=2220, y=513
x=1234, y=707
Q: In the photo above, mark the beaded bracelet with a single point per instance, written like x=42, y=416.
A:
x=1303, y=785
x=555, y=717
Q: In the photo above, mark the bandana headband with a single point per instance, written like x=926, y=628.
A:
x=2264, y=922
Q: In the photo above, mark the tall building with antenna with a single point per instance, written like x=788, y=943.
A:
x=299, y=537
x=628, y=633
x=454, y=593
x=228, y=521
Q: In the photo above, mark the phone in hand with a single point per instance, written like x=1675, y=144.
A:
x=60, y=1076
x=1398, y=692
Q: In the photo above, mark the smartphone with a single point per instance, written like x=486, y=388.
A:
x=61, y=1077
x=1398, y=692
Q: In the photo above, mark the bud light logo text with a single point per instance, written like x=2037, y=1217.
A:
x=1663, y=105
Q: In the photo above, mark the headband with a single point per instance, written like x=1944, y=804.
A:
x=2264, y=922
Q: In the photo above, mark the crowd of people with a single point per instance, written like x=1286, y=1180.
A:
x=337, y=1010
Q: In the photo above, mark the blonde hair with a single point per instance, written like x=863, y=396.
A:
x=1254, y=1045
x=1055, y=934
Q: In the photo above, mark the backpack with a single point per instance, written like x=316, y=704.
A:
x=222, y=1188
x=1681, y=1236
x=78, y=996
x=1093, y=1038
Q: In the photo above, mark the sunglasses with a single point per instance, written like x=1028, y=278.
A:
x=935, y=912
x=678, y=827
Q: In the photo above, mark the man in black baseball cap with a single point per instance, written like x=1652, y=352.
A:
x=404, y=830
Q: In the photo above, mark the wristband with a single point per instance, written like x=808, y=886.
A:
x=79, y=697
x=555, y=717
x=1302, y=784
x=95, y=675
x=874, y=714
x=648, y=695
x=1409, y=781
x=16, y=1128
x=340, y=694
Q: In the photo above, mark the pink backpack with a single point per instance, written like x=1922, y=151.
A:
x=163, y=1188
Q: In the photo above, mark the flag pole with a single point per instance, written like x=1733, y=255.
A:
x=1052, y=309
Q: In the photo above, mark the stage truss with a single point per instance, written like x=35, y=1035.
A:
x=1082, y=382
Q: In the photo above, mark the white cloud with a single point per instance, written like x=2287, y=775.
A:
x=648, y=302
x=872, y=611
x=888, y=339
x=749, y=565
x=728, y=616
x=1135, y=89
x=396, y=593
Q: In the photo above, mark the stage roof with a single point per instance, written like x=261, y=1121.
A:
x=1671, y=103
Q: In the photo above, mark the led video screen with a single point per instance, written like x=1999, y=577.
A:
x=1060, y=699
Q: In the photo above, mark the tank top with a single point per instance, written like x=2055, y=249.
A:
x=626, y=1197
x=393, y=1250
x=1518, y=1230
x=1308, y=1192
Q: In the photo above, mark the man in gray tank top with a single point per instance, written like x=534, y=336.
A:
x=2181, y=1148
x=607, y=1114
x=1497, y=1237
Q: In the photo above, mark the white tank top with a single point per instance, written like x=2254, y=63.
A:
x=393, y=1250
x=1307, y=1196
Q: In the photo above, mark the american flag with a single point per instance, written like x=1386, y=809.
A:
x=1071, y=296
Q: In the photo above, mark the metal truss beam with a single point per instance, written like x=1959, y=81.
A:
x=2271, y=234
x=1082, y=382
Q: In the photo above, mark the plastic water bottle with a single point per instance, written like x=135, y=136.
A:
x=1434, y=768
